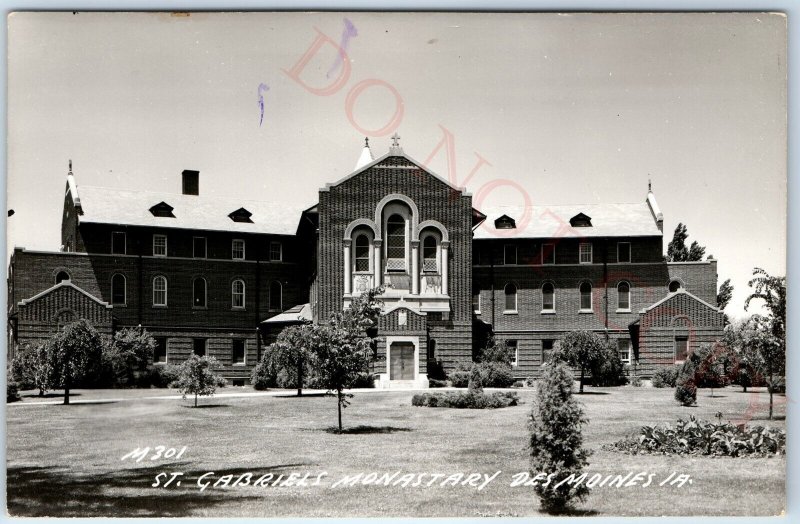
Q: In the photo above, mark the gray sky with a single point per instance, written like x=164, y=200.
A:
x=572, y=108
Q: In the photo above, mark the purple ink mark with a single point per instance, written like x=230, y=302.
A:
x=262, y=88
x=348, y=33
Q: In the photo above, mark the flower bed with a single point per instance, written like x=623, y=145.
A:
x=466, y=400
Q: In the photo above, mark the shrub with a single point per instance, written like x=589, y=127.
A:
x=436, y=383
x=556, y=442
x=665, y=377
x=695, y=437
x=466, y=400
x=475, y=380
x=12, y=391
x=608, y=369
x=196, y=377
x=161, y=376
x=459, y=378
x=364, y=380
x=518, y=384
x=436, y=370
x=685, y=388
x=496, y=374
x=265, y=374
x=636, y=381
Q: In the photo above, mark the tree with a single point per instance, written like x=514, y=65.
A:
x=33, y=368
x=772, y=344
x=196, y=377
x=291, y=354
x=725, y=294
x=581, y=349
x=677, y=250
x=741, y=339
x=686, y=387
x=556, y=442
x=131, y=352
x=341, y=349
x=73, y=351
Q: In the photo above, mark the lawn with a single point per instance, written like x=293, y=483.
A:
x=66, y=460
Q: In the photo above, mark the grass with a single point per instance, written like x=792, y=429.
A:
x=65, y=460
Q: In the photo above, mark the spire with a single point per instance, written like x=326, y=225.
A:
x=70, y=167
x=653, y=205
x=395, y=148
x=366, y=155
x=649, y=186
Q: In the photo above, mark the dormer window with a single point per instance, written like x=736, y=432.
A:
x=162, y=209
x=505, y=222
x=241, y=215
x=580, y=220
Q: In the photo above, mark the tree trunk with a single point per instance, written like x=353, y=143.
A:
x=582, y=376
x=195, y=400
x=339, y=399
x=770, y=389
x=66, y=385
x=66, y=397
x=300, y=378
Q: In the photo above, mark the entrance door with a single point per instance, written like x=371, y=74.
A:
x=401, y=355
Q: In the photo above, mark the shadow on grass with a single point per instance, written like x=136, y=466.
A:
x=593, y=393
x=204, y=406
x=304, y=395
x=48, y=395
x=61, y=492
x=365, y=430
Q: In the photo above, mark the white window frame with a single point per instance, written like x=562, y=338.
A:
x=370, y=257
x=581, y=309
x=623, y=309
x=477, y=311
x=234, y=294
x=233, y=249
x=515, y=361
x=437, y=245
x=124, y=290
x=552, y=251
x=630, y=253
x=389, y=264
x=244, y=353
x=272, y=244
x=165, y=290
x=269, y=296
x=205, y=247
x=516, y=299
x=582, y=251
x=553, y=310
x=205, y=293
x=124, y=242
x=675, y=347
x=155, y=253
x=166, y=353
x=516, y=255
x=628, y=359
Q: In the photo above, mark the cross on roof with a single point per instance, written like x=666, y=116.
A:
x=395, y=140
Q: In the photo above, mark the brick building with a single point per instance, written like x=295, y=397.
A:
x=221, y=277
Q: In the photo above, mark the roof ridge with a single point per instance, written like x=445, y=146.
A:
x=164, y=194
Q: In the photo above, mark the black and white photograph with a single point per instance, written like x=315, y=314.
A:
x=396, y=264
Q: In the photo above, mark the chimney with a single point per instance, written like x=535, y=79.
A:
x=191, y=182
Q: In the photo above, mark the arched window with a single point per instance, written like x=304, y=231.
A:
x=586, y=296
x=63, y=318
x=62, y=276
x=275, y=296
x=624, y=296
x=511, y=297
x=429, y=252
x=118, y=291
x=674, y=286
x=160, y=291
x=237, y=294
x=199, y=292
x=548, y=297
x=396, y=243
x=362, y=257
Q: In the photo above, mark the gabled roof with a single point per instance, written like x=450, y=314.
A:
x=64, y=283
x=103, y=205
x=672, y=295
x=298, y=313
x=608, y=220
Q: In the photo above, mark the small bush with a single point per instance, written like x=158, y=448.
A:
x=364, y=381
x=685, y=387
x=696, y=437
x=496, y=374
x=436, y=383
x=12, y=391
x=459, y=377
x=518, y=384
x=475, y=380
x=636, y=381
x=162, y=375
x=466, y=400
x=665, y=377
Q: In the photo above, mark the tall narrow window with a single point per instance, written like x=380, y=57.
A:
x=199, y=292
x=548, y=254
x=275, y=296
x=199, y=247
x=160, y=351
x=199, y=346
x=118, y=246
x=510, y=255
x=624, y=296
x=159, y=245
x=160, y=291
x=547, y=349
x=476, y=302
x=511, y=298
x=548, y=297
x=238, y=351
x=681, y=348
x=585, y=251
x=118, y=290
x=429, y=254
x=396, y=243
x=275, y=251
x=237, y=249
x=586, y=296
x=237, y=294
x=624, y=350
x=623, y=251
x=513, y=349
x=362, y=253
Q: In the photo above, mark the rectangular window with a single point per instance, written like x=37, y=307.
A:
x=476, y=303
x=238, y=356
x=160, y=351
x=510, y=255
x=623, y=251
x=118, y=243
x=681, y=348
x=199, y=346
x=159, y=245
x=624, y=350
x=160, y=291
x=199, y=247
x=585, y=253
x=275, y=251
x=514, y=351
x=237, y=249
x=547, y=349
x=548, y=254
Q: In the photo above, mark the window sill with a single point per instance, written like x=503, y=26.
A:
x=159, y=363
x=238, y=309
x=548, y=312
x=200, y=307
x=238, y=364
x=159, y=306
x=237, y=258
x=159, y=256
x=585, y=263
x=585, y=311
x=510, y=312
x=476, y=311
x=623, y=311
x=120, y=305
